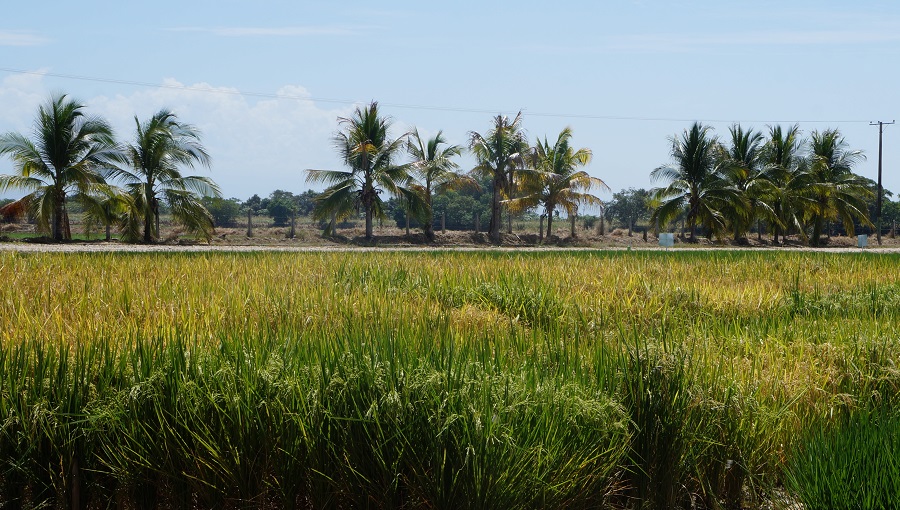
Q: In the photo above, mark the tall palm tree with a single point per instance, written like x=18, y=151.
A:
x=437, y=172
x=69, y=156
x=554, y=179
x=783, y=167
x=836, y=192
x=500, y=155
x=367, y=149
x=161, y=145
x=741, y=167
x=695, y=183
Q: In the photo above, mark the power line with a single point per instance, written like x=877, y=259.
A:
x=525, y=112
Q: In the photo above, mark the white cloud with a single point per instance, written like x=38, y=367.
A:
x=21, y=38
x=257, y=145
x=19, y=96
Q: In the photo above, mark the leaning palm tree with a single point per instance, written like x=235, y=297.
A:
x=162, y=144
x=68, y=157
x=370, y=154
x=835, y=191
x=554, y=179
x=696, y=187
x=500, y=155
x=437, y=172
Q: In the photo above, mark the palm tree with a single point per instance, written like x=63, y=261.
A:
x=835, y=191
x=695, y=184
x=554, y=179
x=499, y=156
x=783, y=168
x=369, y=152
x=434, y=166
x=68, y=157
x=109, y=207
x=741, y=168
x=161, y=145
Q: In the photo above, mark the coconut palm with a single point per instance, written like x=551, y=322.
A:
x=161, y=145
x=434, y=166
x=784, y=169
x=695, y=186
x=741, y=167
x=835, y=191
x=367, y=149
x=499, y=155
x=554, y=179
x=68, y=157
x=108, y=207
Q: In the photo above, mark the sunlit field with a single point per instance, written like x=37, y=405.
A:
x=485, y=380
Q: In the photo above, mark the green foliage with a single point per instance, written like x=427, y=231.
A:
x=281, y=206
x=224, y=211
x=628, y=207
x=457, y=207
x=851, y=462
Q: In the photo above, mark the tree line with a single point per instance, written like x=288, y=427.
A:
x=779, y=180
x=775, y=181
x=519, y=176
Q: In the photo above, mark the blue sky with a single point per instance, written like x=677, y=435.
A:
x=274, y=76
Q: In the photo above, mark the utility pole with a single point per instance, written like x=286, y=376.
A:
x=880, y=125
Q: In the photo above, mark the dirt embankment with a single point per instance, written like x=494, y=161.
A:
x=311, y=239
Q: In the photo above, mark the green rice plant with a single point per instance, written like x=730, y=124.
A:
x=385, y=379
x=656, y=389
x=851, y=462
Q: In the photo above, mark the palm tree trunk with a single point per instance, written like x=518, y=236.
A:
x=775, y=228
x=495, y=211
x=509, y=193
x=541, y=230
x=572, y=217
x=407, y=222
x=332, y=227
x=429, y=228
x=817, y=231
x=368, y=223
x=549, y=224
x=59, y=213
x=429, y=217
x=249, y=223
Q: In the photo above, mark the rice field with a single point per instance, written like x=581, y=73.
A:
x=483, y=380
